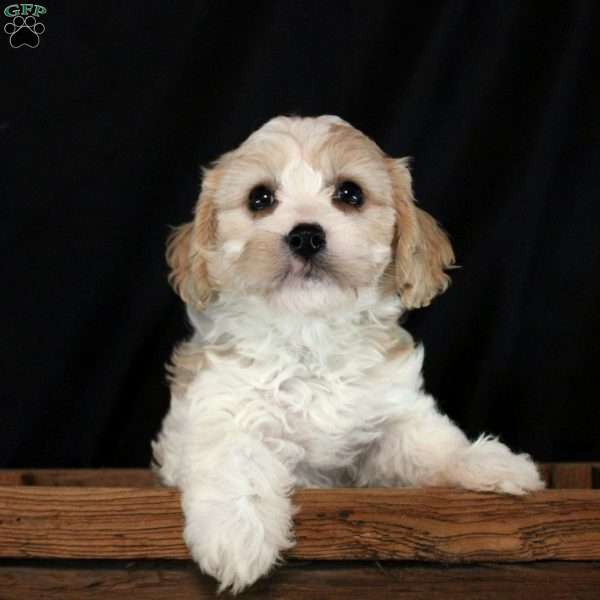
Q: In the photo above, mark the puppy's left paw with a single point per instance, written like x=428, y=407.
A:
x=487, y=465
x=235, y=565
x=235, y=542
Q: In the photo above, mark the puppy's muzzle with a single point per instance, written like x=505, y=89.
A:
x=306, y=240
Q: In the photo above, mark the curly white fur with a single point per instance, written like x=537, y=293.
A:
x=312, y=385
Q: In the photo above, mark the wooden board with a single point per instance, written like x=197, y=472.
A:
x=434, y=524
x=79, y=477
x=556, y=475
x=159, y=580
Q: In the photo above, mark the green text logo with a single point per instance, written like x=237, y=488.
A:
x=22, y=10
x=24, y=29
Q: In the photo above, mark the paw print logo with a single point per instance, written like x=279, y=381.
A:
x=24, y=31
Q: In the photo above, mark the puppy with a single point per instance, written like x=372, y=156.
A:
x=305, y=248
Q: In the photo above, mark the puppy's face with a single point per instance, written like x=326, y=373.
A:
x=310, y=215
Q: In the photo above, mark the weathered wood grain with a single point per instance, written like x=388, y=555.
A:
x=572, y=475
x=79, y=477
x=556, y=475
x=432, y=524
x=85, y=522
x=448, y=525
x=157, y=580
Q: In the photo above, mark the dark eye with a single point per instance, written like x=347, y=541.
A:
x=260, y=197
x=349, y=193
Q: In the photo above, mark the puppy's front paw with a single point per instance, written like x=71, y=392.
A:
x=236, y=544
x=488, y=465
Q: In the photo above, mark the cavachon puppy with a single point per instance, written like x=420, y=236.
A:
x=305, y=248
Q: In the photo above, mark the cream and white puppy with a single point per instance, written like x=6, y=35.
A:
x=305, y=248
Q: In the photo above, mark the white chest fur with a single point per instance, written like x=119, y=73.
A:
x=315, y=392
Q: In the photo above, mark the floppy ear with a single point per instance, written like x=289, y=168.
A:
x=422, y=249
x=178, y=257
x=187, y=248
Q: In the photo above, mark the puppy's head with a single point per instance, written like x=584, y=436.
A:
x=309, y=214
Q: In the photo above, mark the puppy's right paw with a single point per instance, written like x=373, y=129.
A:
x=487, y=465
x=236, y=544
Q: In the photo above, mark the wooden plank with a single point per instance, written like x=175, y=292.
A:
x=556, y=475
x=70, y=522
x=596, y=478
x=545, y=472
x=157, y=580
x=434, y=524
x=572, y=476
x=449, y=525
x=79, y=477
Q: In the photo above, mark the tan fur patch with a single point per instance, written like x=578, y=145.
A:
x=349, y=155
x=178, y=257
x=187, y=246
x=187, y=359
x=423, y=250
x=260, y=261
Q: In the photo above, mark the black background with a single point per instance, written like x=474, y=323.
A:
x=105, y=124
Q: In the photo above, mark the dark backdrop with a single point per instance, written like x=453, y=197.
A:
x=104, y=126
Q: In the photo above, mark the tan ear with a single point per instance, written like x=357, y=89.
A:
x=422, y=249
x=187, y=248
x=179, y=246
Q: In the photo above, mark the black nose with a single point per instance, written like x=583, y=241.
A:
x=306, y=239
